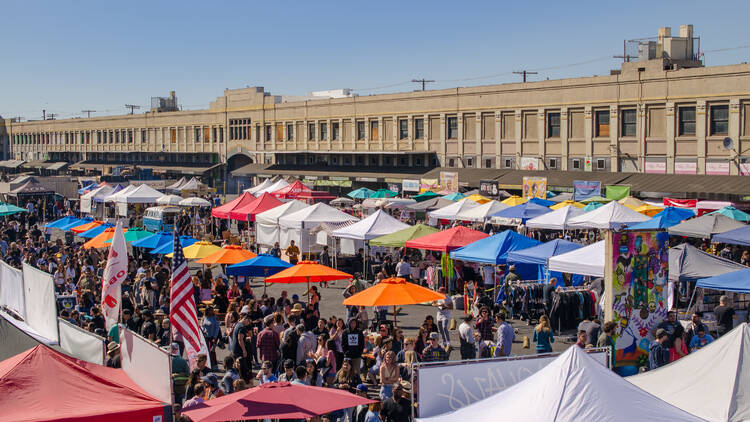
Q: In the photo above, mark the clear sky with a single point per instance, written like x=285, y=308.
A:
x=67, y=56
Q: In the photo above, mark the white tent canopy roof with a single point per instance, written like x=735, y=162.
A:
x=127, y=189
x=573, y=387
x=100, y=192
x=192, y=184
x=608, y=216
x=313, y=216
x=713, y=383
x=272, y=216
x=555, y=220
x=266, y=183
x=480, y=213
x=380, y=223
x=176, y=185
x=169, y=200
x=143, y=194
x=281, y=183
x=588, y=260
x=194, y=201
x=449, y=212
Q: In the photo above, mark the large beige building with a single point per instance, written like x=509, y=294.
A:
x=664, y=113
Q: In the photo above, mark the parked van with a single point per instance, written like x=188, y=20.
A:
x=160, y=218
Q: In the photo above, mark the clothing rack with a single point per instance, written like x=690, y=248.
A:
x=572, y=304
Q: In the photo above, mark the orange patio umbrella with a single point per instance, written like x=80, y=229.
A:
x=86, y=227
x=307, y=272
x=393, y=291
x=98, y=241
x=230, y=254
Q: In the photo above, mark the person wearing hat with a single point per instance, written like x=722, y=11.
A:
x=359, y=413
x=398, y=407
x=113, y=355
x=658, y=353
x=434, y=352
x=211, y=382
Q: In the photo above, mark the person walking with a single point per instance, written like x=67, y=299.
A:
x=505, y=336
x=443, y=317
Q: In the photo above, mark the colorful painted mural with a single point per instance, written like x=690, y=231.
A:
x=640, y=272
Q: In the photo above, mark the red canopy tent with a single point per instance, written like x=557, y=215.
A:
x=262, y=203
x=291, y=191
x=446, y=240
x=42, y=384
x=222, y=211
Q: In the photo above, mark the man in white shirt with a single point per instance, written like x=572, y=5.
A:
x=443, y=317
x=466, y=336
x=403, y=269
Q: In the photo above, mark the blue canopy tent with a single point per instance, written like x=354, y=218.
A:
x=154, y=241
x=68, y=219
x=538, y=255
x=96, y=231
x=166, y=248
x=666, y=218
x=542, y=202
x=523, y=211
x=494, y=250
x=739, y=236
x=79, y=222
x=262, y=265
x=736, y=281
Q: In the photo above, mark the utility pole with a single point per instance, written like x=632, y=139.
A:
x=524, y=73
x=422, y=81
x=52, y=116
x=132, y=107
x=44, y=114
x=625, y=56
x=88, y=112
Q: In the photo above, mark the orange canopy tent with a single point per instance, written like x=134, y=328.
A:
x=262, y=203
x=393, y=291
x=222, y=211
x=446, y=240
x=230, y=254
x=100, y=239
x=86, y=227
x=307, y=272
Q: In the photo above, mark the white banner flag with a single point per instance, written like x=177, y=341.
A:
x=114, y=274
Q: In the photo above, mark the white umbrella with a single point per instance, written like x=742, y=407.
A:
x=195, y=202
x=169, y=200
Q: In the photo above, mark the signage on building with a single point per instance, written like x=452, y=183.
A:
x=535, y=187
x=656, y=167
x=584, y=189
x=717, y=168
x=529, y=163
x=410, y=185
x=489, y=188
x=449, y=181
x=685, y=168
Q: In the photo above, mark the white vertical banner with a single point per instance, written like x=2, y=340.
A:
x=80, y=343
x=147, y=365
x=114, y=274
x=11, y=289
x=40, y=302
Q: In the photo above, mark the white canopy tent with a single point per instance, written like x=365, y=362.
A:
x=480, y=213
x=192, y=184
x=713, y=383
x=612, y=215
x=380, y=223
x=281, y=183
x=573, y=387
x=194, y=201
x=556, y=220
x=125, y=191
x=449, y=212
x=143, y=194
x=588, y=260
x=176, y=185
x=398, y=203
x=267, y=223
x=99, y=193
x=264, y=184
x=296, y=226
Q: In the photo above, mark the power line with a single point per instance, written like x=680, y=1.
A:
x=132, y=107
x=524, y=73
x=422, y=81
x=88, y=112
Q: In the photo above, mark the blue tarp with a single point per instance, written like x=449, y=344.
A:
x=262, y=265
x=68, y=219
x=96, y=231
x=166, y=248
x=538, y=255
x=666, y=218
x=494, y=249
x=79, y=222
x=739, y=236
x=736, y=281
x=154, y=241
x=524, y=211
x=542, y=202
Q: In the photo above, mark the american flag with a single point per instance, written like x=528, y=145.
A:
x=182, y=309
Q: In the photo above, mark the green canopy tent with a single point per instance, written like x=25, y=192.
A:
x=397, y=239
x=425, y=196
x=733, y=213
x=384, y=193
x=9, y=209
x=136, y=233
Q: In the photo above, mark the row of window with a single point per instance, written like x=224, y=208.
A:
x=115, y=136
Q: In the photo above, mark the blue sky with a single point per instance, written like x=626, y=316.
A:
x=70, y=56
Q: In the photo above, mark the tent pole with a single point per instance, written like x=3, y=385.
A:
x=691, y=299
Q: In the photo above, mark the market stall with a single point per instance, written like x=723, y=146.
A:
x=705, y=226
x=610, y=216
x=555, y=220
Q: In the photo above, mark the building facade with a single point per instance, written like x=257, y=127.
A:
x=653, y=116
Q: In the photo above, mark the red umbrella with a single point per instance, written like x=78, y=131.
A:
x=274, y=400
x=446, y=240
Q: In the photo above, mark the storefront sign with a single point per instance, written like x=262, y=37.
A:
x=488, y=187
x=656, y=167
x=640, y=266
x=535, y=187
x=529, y=163
x=583, y=189
x=410, y=185
x=717, y=168
x=367, y=179
x=449, y=181
x=685, y=168
x=449, y=386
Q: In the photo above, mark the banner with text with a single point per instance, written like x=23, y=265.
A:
x=450, y=386
x=410, y=185
x=583, y=189
x=489, y=188
x=535, y=187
